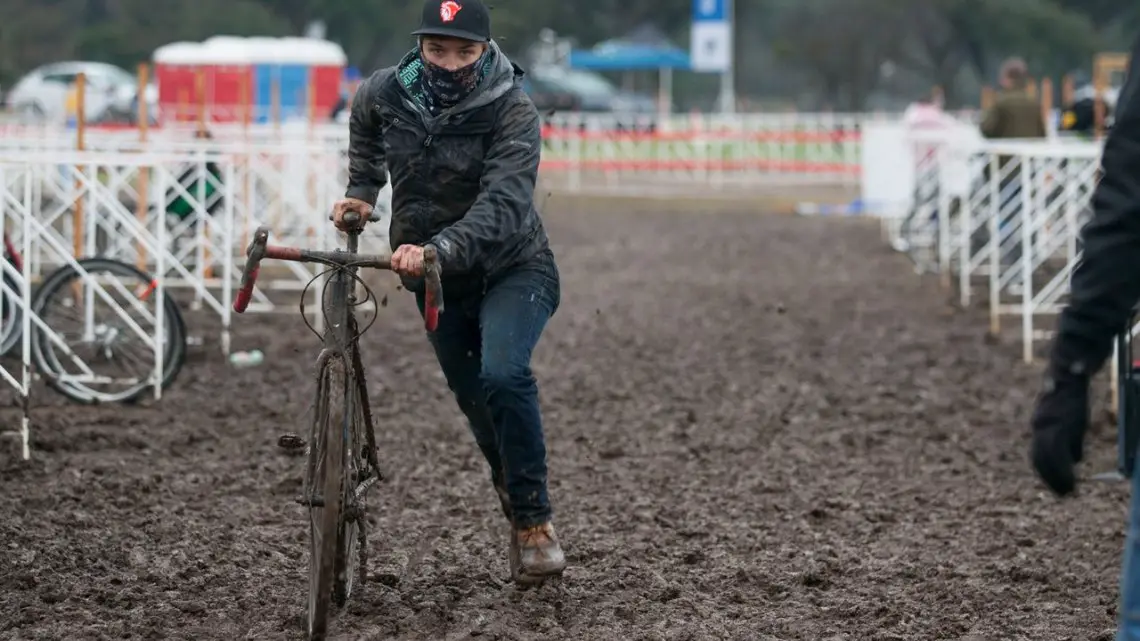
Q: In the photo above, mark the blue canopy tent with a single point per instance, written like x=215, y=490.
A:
x=620, y=56
x=636, y=54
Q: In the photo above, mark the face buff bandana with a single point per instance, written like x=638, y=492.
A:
x=445, y=88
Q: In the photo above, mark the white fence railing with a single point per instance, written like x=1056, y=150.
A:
x=1000, y=215
x=581, y=152
x=182, y=217
x=107, y=313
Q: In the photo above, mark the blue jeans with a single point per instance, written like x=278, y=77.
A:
x=1129, y=614
x=484, y=344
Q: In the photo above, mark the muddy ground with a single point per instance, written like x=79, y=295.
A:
x=759, y=428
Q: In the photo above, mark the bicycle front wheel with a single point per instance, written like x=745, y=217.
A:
x=357, y=469
x=324, y=483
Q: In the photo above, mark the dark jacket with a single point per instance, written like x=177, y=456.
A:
x=1106, y=282
x=463, y=180
x=1080, y=117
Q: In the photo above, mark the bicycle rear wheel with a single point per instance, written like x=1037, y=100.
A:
x=11, y=316
x=324, y=484
x=103, y=333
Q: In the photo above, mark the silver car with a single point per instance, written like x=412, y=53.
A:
x=41, y=95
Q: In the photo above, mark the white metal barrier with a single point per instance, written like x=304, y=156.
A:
x=207, y=197
x=21, y=216
x=597, y=152
x=581, y=152
x=184, y=216
x=1005, y=215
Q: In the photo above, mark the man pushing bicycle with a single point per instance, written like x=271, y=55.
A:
x=462, y=141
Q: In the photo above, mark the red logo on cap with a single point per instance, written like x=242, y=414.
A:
x=448, y=9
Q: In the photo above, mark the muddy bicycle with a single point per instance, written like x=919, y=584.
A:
x=342, y=459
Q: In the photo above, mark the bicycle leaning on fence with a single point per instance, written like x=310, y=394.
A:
x=75, y=311
x=342, y=458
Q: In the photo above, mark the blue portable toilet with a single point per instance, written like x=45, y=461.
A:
x=294, y=83
x=296, y=74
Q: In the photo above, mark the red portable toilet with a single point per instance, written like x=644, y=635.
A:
x=211, y=79
x=290, y=78
x=176, y=68
x=230, y=85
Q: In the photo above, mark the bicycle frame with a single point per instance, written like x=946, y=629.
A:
x=338, y=304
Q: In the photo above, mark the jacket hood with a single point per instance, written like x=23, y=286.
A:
x=496, y=81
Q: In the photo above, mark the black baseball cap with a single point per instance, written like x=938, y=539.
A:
x=467, y=19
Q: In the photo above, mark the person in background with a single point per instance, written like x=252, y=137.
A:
x=925, y=115
x=200, y=182
x=343, y=107
x=1105, y=287
x=348, y=88
x=71, y=105
x=340, y=107
x=1079, y=117
x=1014, y=114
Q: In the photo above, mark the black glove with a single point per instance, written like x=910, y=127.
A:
x=1060, y=421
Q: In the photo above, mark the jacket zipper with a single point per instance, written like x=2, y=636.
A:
x=425, y=207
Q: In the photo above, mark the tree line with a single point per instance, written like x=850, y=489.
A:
x=841, y=54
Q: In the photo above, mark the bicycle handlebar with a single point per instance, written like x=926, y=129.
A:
x=259, y=249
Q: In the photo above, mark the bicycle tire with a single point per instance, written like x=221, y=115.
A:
x=43, y=352
x=325, y=472
x=11, y=317
x=348, y=549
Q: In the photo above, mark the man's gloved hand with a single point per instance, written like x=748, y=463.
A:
x=1060, y=421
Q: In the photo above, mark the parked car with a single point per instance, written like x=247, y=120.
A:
x=594, y=94
x=549, y=96
x=41, y=95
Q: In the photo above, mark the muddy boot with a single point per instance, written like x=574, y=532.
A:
x=535, y=554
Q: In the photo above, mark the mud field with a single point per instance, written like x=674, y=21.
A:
x=759, y=428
